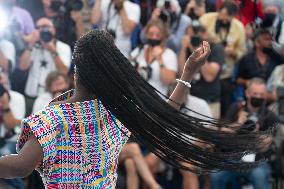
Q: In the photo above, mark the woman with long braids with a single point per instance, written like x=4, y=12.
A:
x=76, y=140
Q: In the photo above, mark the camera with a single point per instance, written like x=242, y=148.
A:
x=112, y=33
x=280, y=94
x=195, y=40
x=67, y=7
x=13, y=34
x=164, y=16
x=45, y=35
x=75, y=5
x=252, y=119
x=145, y=72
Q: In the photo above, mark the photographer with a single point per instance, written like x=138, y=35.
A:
x=206, y=83
x=156, y=63
x=261, y=61
x=275, y=87
x=12, y=108
x=170, y=13
x=56, y=84
x=195, y=9
x=7, y=57
x=65, y=14
x=43, y=55
x=274, y=23
x=119, y=17
x=252, y=112
x=17, y=24
x=224, y=28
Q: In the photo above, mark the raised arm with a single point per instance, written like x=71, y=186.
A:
x=22, y=164
x=192, y=65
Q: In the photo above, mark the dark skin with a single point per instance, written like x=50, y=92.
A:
x=22, y=164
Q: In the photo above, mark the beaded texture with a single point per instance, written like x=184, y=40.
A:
x=81, y=143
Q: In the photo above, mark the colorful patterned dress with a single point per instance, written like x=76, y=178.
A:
x=81, y=143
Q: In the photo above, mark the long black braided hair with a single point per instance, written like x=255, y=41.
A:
x=104, y=71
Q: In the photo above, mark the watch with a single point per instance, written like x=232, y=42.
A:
x=54, y=54
x=162, y=65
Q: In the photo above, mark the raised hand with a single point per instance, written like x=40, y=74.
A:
x=197, y=58
x=192, y=65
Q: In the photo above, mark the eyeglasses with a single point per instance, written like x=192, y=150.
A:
x=39, y=27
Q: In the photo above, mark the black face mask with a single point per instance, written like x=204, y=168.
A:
x=268, y=20
x=154, y=42
x=222, y=24
x=267, y=50
x=257, y=102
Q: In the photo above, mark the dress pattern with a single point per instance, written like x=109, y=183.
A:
x=81, y=143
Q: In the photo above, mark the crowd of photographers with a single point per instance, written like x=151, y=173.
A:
x=242, y=81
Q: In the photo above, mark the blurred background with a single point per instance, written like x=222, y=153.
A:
x=242, y=80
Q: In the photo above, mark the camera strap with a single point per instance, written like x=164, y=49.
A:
x=278, y=30
x=177, y=23
x=109, y=17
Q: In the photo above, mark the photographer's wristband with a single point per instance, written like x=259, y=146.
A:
x=6, y=110
x=54, y=54
x=29, y=49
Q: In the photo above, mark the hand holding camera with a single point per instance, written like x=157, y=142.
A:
x=118, y=4
x=155, y=14
x=242, y=117
x=157, y=52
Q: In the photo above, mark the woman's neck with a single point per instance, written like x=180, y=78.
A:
x=81, y=95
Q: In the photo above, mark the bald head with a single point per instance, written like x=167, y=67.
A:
x=46, y=23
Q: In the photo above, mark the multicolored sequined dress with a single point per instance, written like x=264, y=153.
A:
x=81, y=143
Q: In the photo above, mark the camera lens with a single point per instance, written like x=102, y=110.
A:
x=195, y=41
x=75, y=5
x=112, y=33
x=164, y=16
x=45, y=35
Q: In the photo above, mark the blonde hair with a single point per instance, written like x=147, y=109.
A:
x=162, y=27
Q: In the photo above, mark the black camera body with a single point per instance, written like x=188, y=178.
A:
x=195, y=41
x=252, y=119
x=45, y=35
x=112, y=33
x=165, y=16
x=67, y=7
x=280, y=94
x=145, y=72
x=75, y=5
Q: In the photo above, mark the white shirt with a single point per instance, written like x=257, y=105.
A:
x=18, y=108
x=38, y=71
x=8, y=50
x=200, y=109
x=169, y=60
x=110, y=15
x=42, y=101
x=197, y=105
